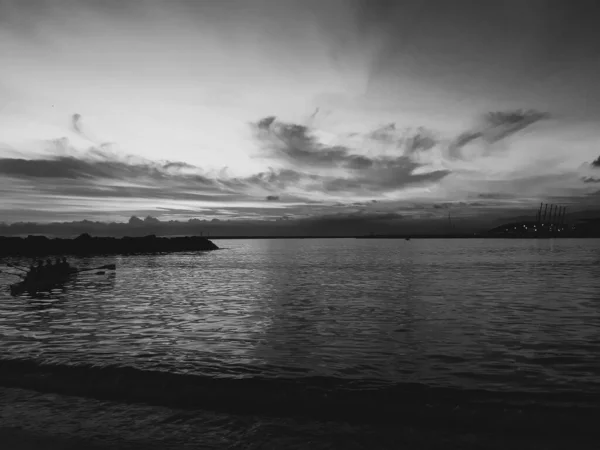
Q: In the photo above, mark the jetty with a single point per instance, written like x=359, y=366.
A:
x=88, y=245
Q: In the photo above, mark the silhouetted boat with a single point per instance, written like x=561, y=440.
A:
x=48, y=283
x=45, y=284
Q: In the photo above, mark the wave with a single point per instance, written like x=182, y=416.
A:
x=322, y=398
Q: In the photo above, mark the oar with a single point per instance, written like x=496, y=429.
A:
x=89, y=272
x=107, y=267
x=14, y=266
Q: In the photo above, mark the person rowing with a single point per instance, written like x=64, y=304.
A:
x=31, y=273
x=34, y=272
x=49, y=269
x=39, y=270
x=59, y=267
x=65, y=265
x=62, y=266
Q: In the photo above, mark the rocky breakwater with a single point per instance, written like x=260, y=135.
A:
x=88, y=245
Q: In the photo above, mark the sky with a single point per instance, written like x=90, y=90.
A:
x=254, y=110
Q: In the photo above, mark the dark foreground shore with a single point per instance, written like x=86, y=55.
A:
x=87, y=245
x=121, y=407
x=45, y=421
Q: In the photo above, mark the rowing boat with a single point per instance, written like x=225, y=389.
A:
x=42, y=284
x=46, y=284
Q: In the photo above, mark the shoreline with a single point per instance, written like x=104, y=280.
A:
x=32, y=420
x=88, y=245
x=107, y=245
x=315, y=398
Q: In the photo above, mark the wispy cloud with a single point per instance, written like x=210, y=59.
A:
x=70, y=167
x=76, y=123
x=495, y=127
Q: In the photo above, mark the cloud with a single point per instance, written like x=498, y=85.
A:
x=503, y=124
x=496, y=196
x=411, y=142
x=386, y=134
x=596, y=162
x=310, y=174
x=298, y=146
x=590, y=180
x=423, y=140
x=70, y=167
x=178, y=165
x=495, y=127
x=385, y=175
x=265, y=124
x=76, y=123
x=96, y=181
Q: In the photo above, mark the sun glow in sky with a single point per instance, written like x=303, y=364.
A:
x=371, y=100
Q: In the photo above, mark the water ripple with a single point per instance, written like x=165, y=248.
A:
x=490, y=314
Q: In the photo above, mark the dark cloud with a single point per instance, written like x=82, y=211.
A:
x=298, y=146
x=385, y=175
x=271, y=180
x=455, y=147
x=495, y=196
x=421, y=141
x=410, y=141
x=360, y=216
x=164, y=191
x=70, y=167
x=386, y=134
x=596, y=162
x=96, y=174
x=76, y=123
x=61, y=167
x=496, y=127
x=502, y=124
x=265, y=124
x=178, y=165
x=590, y=180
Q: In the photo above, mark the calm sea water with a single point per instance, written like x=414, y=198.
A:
x=504, y=315
x=277, y=328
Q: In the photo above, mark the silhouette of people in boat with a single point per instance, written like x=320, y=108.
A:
x=60, y=268
x=49, y=269
x=65, y=266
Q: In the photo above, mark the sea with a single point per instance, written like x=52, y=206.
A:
x=308, y=343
